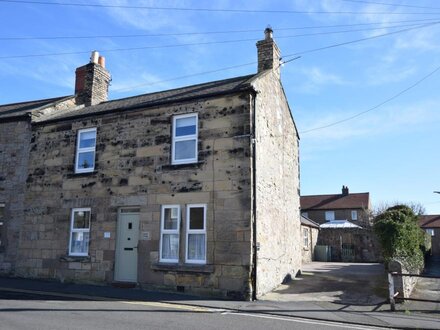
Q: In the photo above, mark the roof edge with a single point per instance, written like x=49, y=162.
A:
x=140, y=106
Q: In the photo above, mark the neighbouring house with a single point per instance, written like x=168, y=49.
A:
x=309, y=230
x=345, y=225
x=431, y=224
x=193, y=189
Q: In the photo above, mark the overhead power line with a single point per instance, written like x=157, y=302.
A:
x=391, y=4
x=418, y=82
x=125, y=89
x=227, y=10
x=224, y=42
x=359, y=40
x=296, y=55
x=212, y=32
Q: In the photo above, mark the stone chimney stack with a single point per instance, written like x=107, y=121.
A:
x=345, y=191
x=268, y=53
x=92, y=81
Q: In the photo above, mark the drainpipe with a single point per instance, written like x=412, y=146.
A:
x=254, y=199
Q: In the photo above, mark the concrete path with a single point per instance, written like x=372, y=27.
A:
x=340, y=283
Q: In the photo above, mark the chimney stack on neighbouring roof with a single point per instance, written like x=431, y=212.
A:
x=269, y=56
x=92, y=81
x=345, y=191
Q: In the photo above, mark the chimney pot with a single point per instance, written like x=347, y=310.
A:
x=94, y=57
x=268, y=33
x=101, y=61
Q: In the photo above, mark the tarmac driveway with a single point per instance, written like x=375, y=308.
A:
x=335, y=282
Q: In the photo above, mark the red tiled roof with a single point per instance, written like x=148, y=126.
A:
x=332, y=202
x=429, y=221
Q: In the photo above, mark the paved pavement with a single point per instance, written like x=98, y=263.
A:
x=336, y=298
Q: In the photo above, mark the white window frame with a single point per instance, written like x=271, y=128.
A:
x=430, y=231
x=195, y=231
x=329, y=215
x=79, y=230
x=306, y=235
x=190, y=137
x=169, y=231
x=354, y=215
x=82, y=150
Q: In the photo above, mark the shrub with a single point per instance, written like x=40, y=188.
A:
x=400, y=236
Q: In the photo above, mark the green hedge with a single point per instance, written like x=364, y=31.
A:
x=401, y=237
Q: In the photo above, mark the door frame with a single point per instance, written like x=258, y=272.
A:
x=136, y=211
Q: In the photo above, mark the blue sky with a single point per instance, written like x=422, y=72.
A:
x=391, y=152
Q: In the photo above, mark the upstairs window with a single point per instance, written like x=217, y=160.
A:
x=329, y=215
x=85, y=150
x=79, y=232
x=185, y=131
x=196, y=234
x=169, y=233
x=354, y=215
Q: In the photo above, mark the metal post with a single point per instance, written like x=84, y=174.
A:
x=391, y=291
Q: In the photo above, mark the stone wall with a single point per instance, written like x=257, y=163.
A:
x=14, y=141
x=277, y=179
x=133, y=169
x=308, y=251
x=404, y=285
x=366, y=248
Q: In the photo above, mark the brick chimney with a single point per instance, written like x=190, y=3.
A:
x=345, y=191
x=268, y=53
x=92, y=81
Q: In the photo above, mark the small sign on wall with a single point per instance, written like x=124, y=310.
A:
x=107, y=234
x=145, y=236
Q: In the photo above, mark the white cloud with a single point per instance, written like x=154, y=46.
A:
x=315, y=78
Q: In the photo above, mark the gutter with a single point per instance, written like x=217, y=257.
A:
x=25, y=117
x=254, y=200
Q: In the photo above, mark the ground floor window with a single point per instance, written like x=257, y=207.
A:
x=79, y=232
x=196, y=233
x=169, y=237
x=306, y=237
x=193, y=244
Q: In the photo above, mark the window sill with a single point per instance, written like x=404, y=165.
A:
x=186, y=166
x=81, y=174
x=183, y=268
x=75, y=258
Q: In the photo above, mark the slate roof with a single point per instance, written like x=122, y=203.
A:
x=334, y=202
x=429, y=221
x=307, y=222
x=17, y=109
x=226, y=86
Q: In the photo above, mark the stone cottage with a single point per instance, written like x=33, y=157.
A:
x=193, y=189
x=345, y=225
x=431, y=225
x=309, y=232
